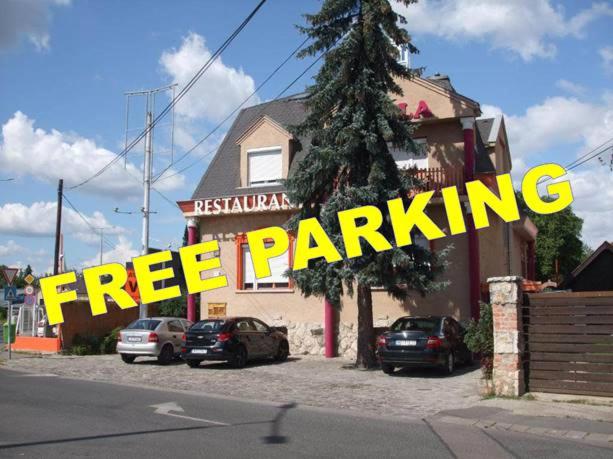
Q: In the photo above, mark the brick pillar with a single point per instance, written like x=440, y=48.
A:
x=506, y=299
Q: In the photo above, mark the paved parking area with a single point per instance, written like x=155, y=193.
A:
x=306, y=380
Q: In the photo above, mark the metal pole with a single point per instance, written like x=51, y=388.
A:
x=146, y=201
x=10, y=322
x=58, y=226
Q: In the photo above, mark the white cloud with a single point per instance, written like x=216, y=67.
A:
x=122, y=252
x=526, y=27
x=217, y=92
x=27, y=18
x=38, y=220
x=606, y=55
x=50, y=155
x=570, y=87
x=11, y=248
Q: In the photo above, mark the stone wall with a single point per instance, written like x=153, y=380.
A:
x=506, y=299
x=307, y=338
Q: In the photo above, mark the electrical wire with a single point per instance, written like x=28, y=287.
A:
x=231, y=114
x=94, y=229
x=178, y=97
x=180, y=171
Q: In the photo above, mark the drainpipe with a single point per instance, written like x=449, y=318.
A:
x=192, y=238
x=474, y=271
x=329, y=329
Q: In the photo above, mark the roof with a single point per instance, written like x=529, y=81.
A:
x=589, y=260
x=222, y=177
x=483, y=162
x=484, y=127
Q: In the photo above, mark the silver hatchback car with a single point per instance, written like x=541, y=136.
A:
x=152, y=337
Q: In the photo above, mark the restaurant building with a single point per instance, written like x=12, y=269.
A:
x=242, y=191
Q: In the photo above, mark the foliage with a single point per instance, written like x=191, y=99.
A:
x=3, y=315
x=479, y=338
x=175, y=307
x=559, y=241
x=93, y=345
x=352, y=121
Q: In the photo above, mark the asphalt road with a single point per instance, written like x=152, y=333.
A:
x=47, y=416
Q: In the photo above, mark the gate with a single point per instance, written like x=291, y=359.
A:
x=569, y=342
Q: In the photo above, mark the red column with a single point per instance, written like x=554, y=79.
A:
x=531, y=261
x=474, y=271
x=192, y=238
x=329, y=329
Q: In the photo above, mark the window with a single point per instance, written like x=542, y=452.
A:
x=245, y=325
x=428, y=326
x=210, y=326
x=259, y=326
x=407, y=160
x=277, y=278
x=175, y=326
x=264, y=167
x=144, y=324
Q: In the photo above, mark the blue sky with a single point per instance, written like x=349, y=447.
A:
x=65, y=65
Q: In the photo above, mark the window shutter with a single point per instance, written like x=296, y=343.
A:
x=264, y=167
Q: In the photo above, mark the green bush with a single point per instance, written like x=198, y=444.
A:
x=109, y=342
x=479, y=338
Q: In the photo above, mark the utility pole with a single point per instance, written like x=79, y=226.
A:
x=101, y=230
x=147, y=167
x=58, y=226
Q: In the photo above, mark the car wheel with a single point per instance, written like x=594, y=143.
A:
x=128, y=358
x=449, y=364
x=239, y=359
x=282, y=352
x=166, y=355
x=194, y=363
x=387, y=368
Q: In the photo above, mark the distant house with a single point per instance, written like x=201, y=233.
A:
x=595, y=273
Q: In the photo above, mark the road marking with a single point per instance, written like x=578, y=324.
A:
x=36, y=375
x=166, y=408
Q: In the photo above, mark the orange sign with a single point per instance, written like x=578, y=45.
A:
x=132, y=286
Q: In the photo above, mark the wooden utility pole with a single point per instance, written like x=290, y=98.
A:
x=58, y=226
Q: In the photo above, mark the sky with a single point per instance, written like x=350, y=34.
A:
x=65, y=66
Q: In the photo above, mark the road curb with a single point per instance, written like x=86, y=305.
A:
x=596, y=438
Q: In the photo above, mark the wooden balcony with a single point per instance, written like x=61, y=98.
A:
x=437, y=178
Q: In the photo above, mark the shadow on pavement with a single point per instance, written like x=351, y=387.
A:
x=275, y=438
x=433, y=373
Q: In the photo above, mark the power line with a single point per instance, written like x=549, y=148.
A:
x=178, y=97
x=594, y=153
x=273, y=100
x=231, y=114
x=94, y=229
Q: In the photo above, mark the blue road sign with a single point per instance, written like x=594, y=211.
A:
x=10, y=293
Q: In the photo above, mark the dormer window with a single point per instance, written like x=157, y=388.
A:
x=265, y=166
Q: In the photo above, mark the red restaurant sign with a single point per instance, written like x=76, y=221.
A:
x=265, y=202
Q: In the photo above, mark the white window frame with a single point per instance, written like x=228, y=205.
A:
x=244, y=249
x=264, y=150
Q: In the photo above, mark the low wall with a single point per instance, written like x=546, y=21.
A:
x=34, y=344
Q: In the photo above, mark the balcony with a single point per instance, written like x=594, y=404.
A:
x=437, y=178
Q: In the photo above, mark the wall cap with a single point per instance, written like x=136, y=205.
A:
x=494, y=280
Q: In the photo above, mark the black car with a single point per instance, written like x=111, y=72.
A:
x=423, y=342
x=235, y=340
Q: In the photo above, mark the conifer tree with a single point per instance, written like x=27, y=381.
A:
x=352, y=123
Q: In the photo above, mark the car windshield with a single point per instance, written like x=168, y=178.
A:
x=144, y=324
x=208, y=325
x=429, y=326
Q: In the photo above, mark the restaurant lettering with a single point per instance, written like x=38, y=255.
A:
x=268, y=202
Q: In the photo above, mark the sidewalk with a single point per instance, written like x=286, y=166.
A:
x=575, y=418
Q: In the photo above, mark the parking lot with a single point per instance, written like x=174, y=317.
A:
x=306, y=380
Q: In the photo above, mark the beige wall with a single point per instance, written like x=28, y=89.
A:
x=290, y=306
x=445, y=143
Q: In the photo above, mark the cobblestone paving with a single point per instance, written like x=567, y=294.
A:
x=306, y=380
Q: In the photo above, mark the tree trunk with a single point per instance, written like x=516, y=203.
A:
x=366, y=340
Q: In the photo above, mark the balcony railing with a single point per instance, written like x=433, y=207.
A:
x=437, y=178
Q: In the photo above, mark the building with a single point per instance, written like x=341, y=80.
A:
x=595, y=273
x=241, y=191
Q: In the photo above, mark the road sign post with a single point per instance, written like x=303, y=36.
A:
x=10, y=338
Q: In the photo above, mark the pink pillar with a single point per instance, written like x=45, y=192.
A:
x=329, y=329
x=192, y=238
x=474, y=270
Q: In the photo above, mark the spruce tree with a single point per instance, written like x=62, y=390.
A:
x=352, y=122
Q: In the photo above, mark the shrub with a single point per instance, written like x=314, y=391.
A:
x=109, y=342
x=479, y=338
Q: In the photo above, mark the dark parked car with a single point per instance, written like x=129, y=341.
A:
x=423, y=342
x=235, y=340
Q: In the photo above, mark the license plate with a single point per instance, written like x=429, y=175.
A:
x=199, y=351
x=134, y=339
x=406, y=342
